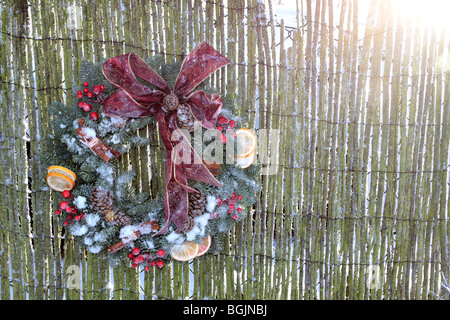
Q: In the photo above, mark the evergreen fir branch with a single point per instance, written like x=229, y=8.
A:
x=124, y=194
x=124, y=136
x=90, y=72
x=86, y=175
x=125, y=178
x=105, y=127
x=56, y=108
x=142, y=197
x=155, y=62
x=137, y=141
x=90, y=165
x=140, y=123
x=91, y=124
x=83, y=190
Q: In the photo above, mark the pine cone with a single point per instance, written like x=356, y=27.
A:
x=197, y=204
x=170, y=102
x=115, y=217
x=186, y=119
x=188, y=223
x=103, y=202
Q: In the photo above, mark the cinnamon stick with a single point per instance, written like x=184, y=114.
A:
x=213, y=167
x=144, y=228
x=95, y=144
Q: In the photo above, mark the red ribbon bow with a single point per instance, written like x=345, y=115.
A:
x=134, y=100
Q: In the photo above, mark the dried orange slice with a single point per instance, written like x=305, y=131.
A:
x=64, y=171
x=185, y=251
x=203, y=247
x=59, y=182
x=246, y=142
x=245, y=162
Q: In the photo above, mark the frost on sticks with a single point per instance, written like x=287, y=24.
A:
x=96, y=199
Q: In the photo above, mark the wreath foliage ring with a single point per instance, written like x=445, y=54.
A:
x=106, y=211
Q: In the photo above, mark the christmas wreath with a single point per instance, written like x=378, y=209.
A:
x=210, y=178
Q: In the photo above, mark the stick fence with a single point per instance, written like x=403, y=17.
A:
x=357, y=94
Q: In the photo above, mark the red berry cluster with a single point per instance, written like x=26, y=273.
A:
x=224, y=124
x=146, y=258
x=93, y=95
x=68, y=207
x=231, y=202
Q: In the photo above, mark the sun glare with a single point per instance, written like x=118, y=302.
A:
x=431, y=14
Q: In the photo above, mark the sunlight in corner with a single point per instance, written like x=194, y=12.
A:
x=426, y=14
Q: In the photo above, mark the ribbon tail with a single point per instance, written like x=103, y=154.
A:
x=176, y=207
x=182, y=163
x=176, y=196
x=167, y=210
x=205, y=108
x=191, y=163
x=197, y=171
x=179, y=202
x=164, y=129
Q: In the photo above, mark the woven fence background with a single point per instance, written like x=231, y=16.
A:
x=357, y=94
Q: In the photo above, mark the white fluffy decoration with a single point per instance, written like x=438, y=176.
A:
x=88, y=133
x=100, y=237
x=78, y=230
x=149, y=244
x=211, y=202
x=88, y=241
x=127, y=233
x=175, y=238
x=95, y=248
x=92, y=219
x=199, y=228
x=106, y=172
x=115, y=139
x=80, y=202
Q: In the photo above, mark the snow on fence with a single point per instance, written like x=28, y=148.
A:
x=357, y=92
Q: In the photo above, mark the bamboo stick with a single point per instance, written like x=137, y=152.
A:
x=265, y=222
x=326, y=191
x=424, y=189
x=290, y=194
x=391, y=116
x=444, y=203
x=44, y=80
x=350, y=236
x=322, y=148
x=258, y=247
x=28, y=264
x=56, y=81
x=297, y=83
x=335, y=163
x=9, y=205
x=431, y=242
x=209, y=30
x=374, y=105
x=269, y=274
x=408, y=229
